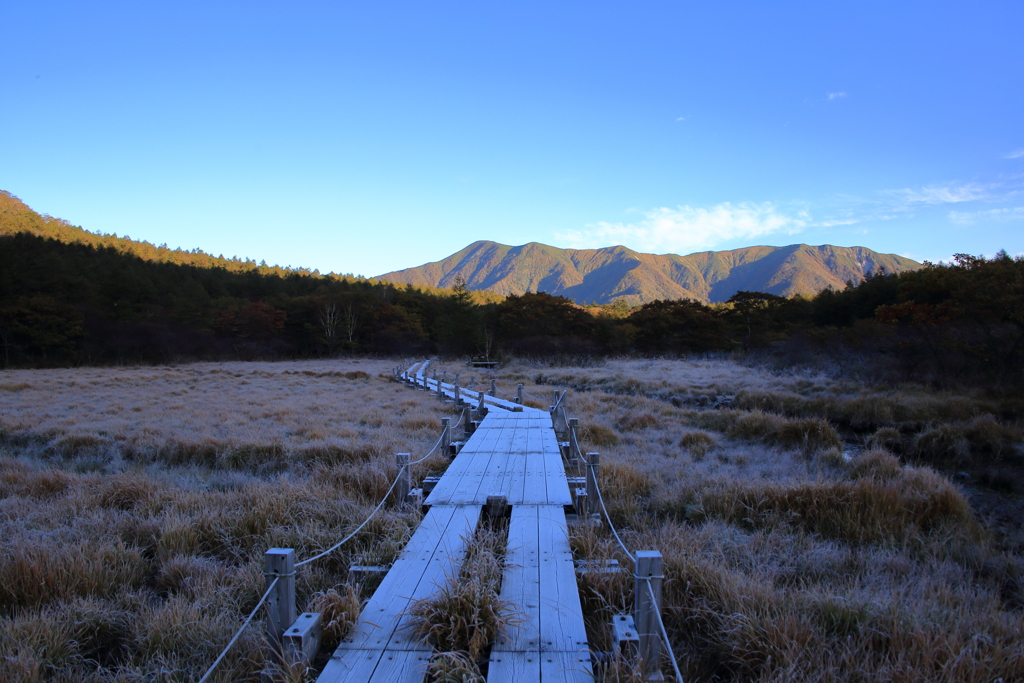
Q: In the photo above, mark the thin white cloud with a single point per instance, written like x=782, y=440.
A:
x=999, y=215
x=836, y=95
x=1015, y=154
x=939, y=194
x=680, y=118
x=685, y=229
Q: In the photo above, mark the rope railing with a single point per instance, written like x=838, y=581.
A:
x=664, y=633
x=632, y=557
x=323, y=554
x=234, y=640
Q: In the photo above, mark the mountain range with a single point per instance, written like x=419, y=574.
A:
x=616, y=273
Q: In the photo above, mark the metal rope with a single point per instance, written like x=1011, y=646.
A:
x=244, y=626
x=664, y=633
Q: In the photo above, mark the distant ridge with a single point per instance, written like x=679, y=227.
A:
x=617, y=273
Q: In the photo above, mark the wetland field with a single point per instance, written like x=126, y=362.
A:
x=812, y=528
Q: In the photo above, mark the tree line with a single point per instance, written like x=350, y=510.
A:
x=71, y=297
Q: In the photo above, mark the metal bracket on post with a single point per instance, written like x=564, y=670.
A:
x=593, y=465
x=645, y=616
x=279, y=564
x=404, y=478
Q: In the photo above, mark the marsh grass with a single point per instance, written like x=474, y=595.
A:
x=789, y=555
x=136, y=505
x=467, y=613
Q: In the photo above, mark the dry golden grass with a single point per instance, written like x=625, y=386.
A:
x=790, y=553
x=136, y=505
x=467, y=613
x=803, y=539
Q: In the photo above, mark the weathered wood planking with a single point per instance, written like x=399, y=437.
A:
x=420, y=371
x=510, y=454
x=550, y=643
x=473, y=396
x=540, y=667
x=384, y=631
x=514, y=454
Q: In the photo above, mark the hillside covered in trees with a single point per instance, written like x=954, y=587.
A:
x=68, y=296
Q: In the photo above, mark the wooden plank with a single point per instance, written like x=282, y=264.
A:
x=514, y=667
x=561, y=614
x=520, y=583
x=566, y=667
x=432, y=554
x=547, y=667
x=363, y=666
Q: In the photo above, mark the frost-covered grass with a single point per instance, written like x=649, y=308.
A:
x=804, y=535
x=789, y=554
x=136, y=505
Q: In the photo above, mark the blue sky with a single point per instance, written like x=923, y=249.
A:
x=372, y=136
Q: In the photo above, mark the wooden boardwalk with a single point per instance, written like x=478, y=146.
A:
x=513, y=453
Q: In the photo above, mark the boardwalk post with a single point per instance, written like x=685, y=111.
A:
x=404, y=478
x=519, y=394
x=446, y=435
x=467, y=428
x=593, y=463
x=481, y=409
x=458, y=400
x=574, y=444
x=648, y=570
x=494, y=388
x=279, y=563
x=444, y=378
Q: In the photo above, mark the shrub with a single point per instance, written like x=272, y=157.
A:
x=876, y=463
x=809, y=434
x=943, y=444
x=888, y=438
x=697, y=443
x=598, y=435
x=339, y=612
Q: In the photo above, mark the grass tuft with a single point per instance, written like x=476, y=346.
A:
x=466, y=614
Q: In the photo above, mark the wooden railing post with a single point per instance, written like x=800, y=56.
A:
x=458, y=400
x=404, y=479
x=494, y=388
x=648, y=570
x=481, y=409
x=446, y=435
x=279, y=563
x=593, y=464
x=467, y=428
x=574, y=444
x=519, y=394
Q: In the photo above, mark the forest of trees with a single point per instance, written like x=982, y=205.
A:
x=72, y=297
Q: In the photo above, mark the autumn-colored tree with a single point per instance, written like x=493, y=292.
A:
x=679, y=326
